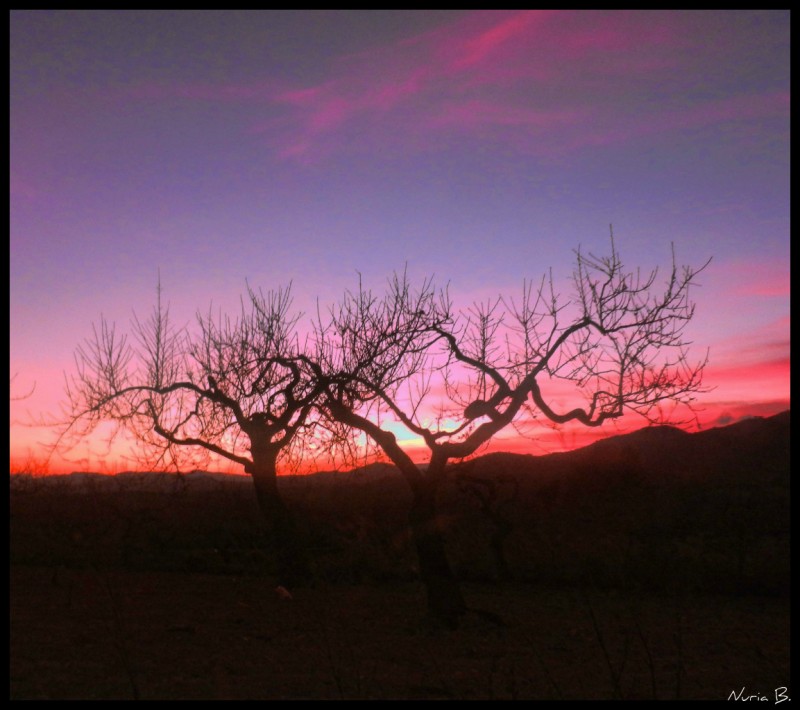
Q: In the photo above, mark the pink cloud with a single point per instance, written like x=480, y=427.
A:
x=773, y=350
x=764, y=282
x=750, y=279
x=752, y=383
x=530, y=73
x=767, y=370
x=477, y=49
x=529, y=77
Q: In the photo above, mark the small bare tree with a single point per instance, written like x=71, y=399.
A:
x=455, y=381
x=235, y=388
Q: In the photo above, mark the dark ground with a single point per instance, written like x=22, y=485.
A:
x=651, y=566
x=101, y=635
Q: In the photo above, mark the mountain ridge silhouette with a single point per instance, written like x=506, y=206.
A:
x=657, y=451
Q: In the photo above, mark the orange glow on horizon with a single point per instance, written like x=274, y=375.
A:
x=547, y=440
x=468, y=148
x=738, y=390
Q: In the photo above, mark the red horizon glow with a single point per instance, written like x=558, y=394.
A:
x=747, y=376
x=479, y=147
x=767, y=379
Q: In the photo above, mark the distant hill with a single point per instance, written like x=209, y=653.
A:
x=658, y=507
x=659, y=453
x=656, y=452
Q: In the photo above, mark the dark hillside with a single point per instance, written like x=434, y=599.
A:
x=655, y=508
x=650, y=566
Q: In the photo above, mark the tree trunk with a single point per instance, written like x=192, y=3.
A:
x=445, y=601
x=290, y=552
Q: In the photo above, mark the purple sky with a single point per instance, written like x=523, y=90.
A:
x=481, y=147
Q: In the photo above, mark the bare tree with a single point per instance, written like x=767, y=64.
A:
x=453, y=381
x=234, y=388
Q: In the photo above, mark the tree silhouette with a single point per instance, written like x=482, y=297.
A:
x=233, y=387
x=453, y=381
x=247, y=390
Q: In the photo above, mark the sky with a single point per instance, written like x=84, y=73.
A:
x=212, y=149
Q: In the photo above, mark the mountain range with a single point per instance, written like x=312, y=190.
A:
x=749, y=448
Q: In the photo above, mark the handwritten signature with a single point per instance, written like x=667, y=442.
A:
x=781, y=695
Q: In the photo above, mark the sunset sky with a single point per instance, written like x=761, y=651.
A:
x=231, y=147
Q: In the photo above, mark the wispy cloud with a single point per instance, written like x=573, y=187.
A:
x=752, y=279
x=751, y=375
x=476, y=49
x=545, y=82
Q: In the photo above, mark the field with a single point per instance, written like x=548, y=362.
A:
x=591, y=576
x=93, y=635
